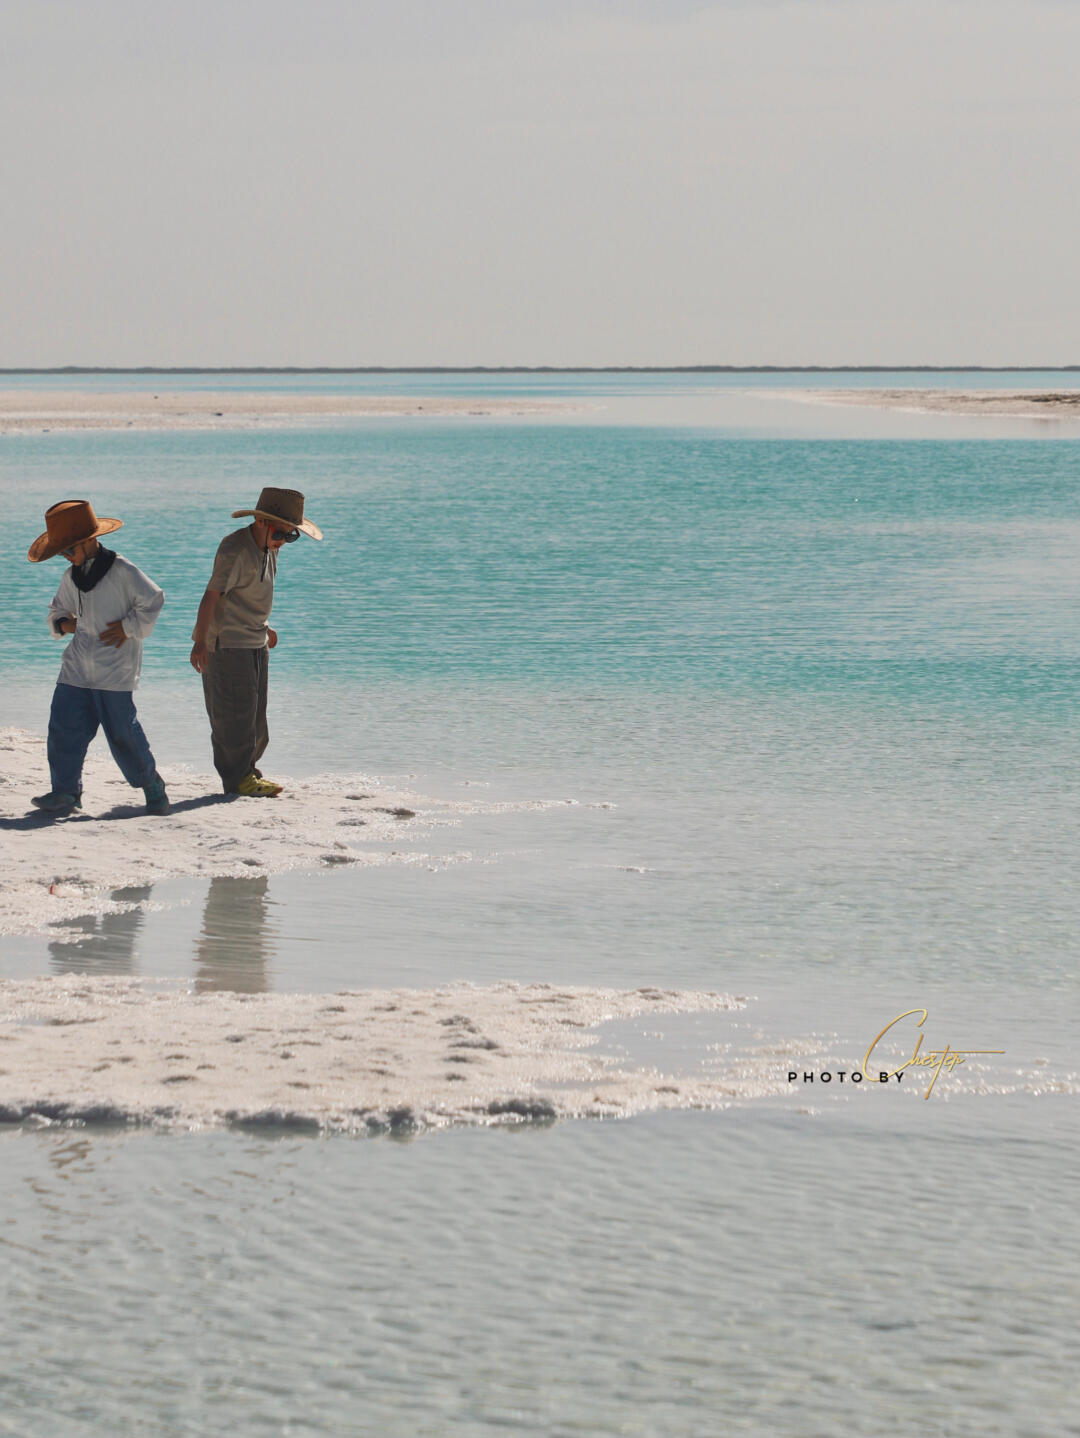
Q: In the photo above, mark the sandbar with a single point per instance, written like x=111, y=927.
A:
x=34, y=411
x=1019, y=403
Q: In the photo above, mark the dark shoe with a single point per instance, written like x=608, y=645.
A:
x=57, y=800
x=157, y=801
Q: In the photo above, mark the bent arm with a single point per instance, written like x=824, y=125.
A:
x=62, y=609
x=146, y=600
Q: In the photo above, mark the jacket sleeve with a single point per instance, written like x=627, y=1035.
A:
x=145, y=600
x=63, y=604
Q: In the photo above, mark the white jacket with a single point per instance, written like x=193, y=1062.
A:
x=126, y=594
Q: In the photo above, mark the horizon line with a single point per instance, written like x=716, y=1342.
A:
x=543, y=369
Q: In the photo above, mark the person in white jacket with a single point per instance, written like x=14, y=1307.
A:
x=109, y=606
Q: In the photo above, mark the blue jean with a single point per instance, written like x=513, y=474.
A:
x=74, y=720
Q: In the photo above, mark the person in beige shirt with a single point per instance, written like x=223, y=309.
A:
x=232, y=637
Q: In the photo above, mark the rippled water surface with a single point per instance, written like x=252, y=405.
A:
x=692, y=1274
x=808, y=682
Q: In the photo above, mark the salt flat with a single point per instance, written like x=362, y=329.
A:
x=59, y=868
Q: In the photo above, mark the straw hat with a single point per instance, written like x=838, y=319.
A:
x=68, y=524
x=282, y=506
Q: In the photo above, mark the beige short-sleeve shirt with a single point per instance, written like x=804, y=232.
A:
x=244, y=577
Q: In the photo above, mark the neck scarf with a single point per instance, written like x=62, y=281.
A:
x=94, y=570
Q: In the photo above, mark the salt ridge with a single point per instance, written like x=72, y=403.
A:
x=119, y=1050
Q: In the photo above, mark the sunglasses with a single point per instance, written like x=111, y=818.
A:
x=285, y=535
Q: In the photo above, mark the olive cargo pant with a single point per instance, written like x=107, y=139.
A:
x=234, y=687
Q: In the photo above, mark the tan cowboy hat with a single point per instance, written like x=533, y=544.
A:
x=282, y=506
x=68, y=524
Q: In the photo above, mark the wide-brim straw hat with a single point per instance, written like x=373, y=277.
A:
x=282, y=506
x=68, y=524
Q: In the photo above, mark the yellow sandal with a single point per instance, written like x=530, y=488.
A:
x=255, y=788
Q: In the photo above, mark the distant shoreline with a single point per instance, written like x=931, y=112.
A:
x=29, y=409
x=553, y=369
x=995, y=403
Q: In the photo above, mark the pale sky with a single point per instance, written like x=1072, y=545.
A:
x=410, y=182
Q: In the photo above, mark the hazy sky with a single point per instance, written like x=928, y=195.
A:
x=538, y=182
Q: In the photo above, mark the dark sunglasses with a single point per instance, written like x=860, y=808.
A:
x=285, y=535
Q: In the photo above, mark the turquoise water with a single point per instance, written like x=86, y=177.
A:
x=935, y=573
x=828, y=685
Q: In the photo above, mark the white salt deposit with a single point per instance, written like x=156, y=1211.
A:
x=59, y=868
x=78, y=1049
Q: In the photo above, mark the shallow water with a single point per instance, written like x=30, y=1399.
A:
x=807, y=679
x=744, y=1273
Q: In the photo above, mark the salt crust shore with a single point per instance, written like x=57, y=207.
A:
x=151, y=1055
x=32, y=411
x=1023, y=404
x=117, y=1050
x=56, y=869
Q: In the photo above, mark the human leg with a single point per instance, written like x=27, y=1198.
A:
x=231, y=693
x=262, y=730
x=127, y=742
x=73, y=722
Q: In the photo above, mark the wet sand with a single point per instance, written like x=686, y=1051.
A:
x=33, y=411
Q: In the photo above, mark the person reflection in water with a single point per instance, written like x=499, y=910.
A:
x=233, y=948
x=101, y=943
